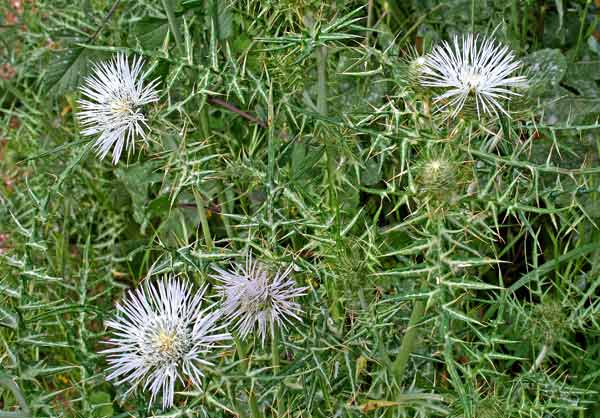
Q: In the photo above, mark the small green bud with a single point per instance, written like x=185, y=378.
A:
x=436, y=177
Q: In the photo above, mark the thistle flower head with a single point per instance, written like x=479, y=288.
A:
x=546, y=321
x=410, y=66
x=254, y=299
x=413, y=60
x=160, y=336
x=471, y=71
x=115, y=94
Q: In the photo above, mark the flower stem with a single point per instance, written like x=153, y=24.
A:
x=225, y=201
x=515, y=18
x=169, y=6
x=242, y=353
x=331, y=157
x=584, y=14
x=408, y=342
x=271, y=144
x=203, y=219
x=253, y=405
x=275, y=359
x=204, y=121
x=275, y=349
x=245, y=366
x=323, y=109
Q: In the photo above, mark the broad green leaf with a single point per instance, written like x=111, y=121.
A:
x=101, y=403
x=371, y=173
x=545, y=68
x=149, y=32
x=221, y=17
x=137, y=178
x=67, y=70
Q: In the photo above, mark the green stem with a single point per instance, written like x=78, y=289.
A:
x=104, y=21
x=253, y=405
x=332, y=294
x=169, y=6
x=329, y=148
x=271, y=143
x=226, y=198
x=455, y=378
x=204, y=121
x=245, y=366
x=331, y=158
x=472, y=15
x=204, y=126
x=271, y=184
x=322, y=107
x=203, y=219
x=242, y=353
x=581, y=27
x=514, y=8
x=524, y=23
x=322, y=80
x=275, y=359
x=234, y=401
x=408, y=342
x=369, y=21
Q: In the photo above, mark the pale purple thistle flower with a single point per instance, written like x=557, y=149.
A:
x=115, y=93
x=474, y=69
x=161, y=335
x=254, y=299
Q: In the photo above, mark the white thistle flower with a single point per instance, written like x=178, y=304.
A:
x=115, y=94
x=160, y=336
x=476, y=71
x=253, y=298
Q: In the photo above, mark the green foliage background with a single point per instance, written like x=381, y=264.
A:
x=482, y=236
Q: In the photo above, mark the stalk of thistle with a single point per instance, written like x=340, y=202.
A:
x=115, y=94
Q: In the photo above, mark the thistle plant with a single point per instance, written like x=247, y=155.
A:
x=472, y=71
x=411, y=66
x=256, y=300
x=451, y=250
x=161, y=335
x=112, y=108
x=438, y=176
